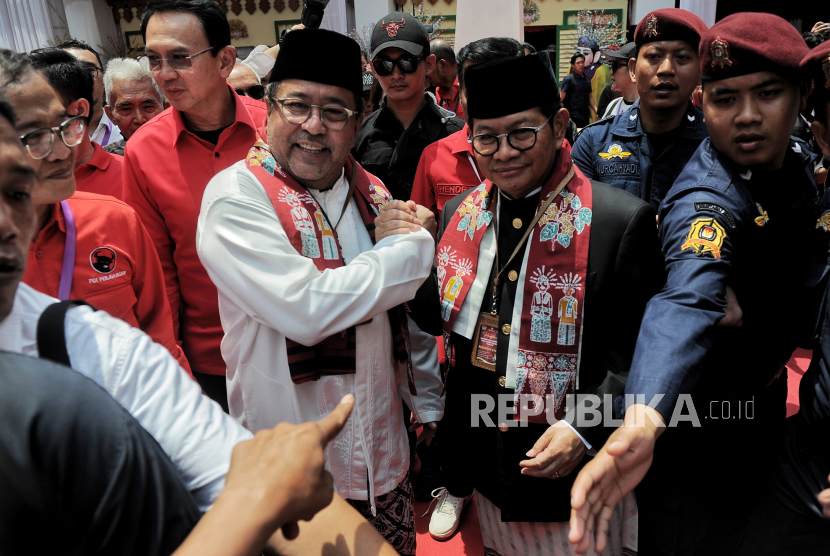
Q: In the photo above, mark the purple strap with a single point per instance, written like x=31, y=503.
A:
x=68, y=268
x=106, y=139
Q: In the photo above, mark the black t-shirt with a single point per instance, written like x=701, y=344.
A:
x=211, y=136
x=78, y=474
x=578, y=92
x=658, y=142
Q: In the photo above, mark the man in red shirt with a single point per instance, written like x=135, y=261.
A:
x=169, y=161
x=447, y=167
x=444, y=77
x=88, y=246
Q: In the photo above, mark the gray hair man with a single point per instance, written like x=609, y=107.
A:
x=133, y=98
x=245, y=81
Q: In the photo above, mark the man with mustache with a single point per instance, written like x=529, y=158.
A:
x=746, y=195
x=170, y=160
x=643, y=150
x=312, y=305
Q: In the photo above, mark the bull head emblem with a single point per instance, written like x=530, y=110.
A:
x=392, y=27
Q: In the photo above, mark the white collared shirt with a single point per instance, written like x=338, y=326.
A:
x=99, y=133
x=144, y=378
x=268, y=291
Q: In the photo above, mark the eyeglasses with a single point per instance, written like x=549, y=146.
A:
x=255, y=92
x=176, y=62
x=407, y=64
x=93, y=69
x=521, y=139
x=297, y=112
x=39, y=142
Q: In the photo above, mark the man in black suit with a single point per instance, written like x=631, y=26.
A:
x=544, y=276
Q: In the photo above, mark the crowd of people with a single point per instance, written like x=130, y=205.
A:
x=263, y=304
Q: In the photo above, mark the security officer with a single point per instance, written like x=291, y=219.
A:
x=743, y=212
x=391, y=140
x=790, y=519
x=644, y=150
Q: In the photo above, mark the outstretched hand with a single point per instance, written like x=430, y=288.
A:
x=617, y=468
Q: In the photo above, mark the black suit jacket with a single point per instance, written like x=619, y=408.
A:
x=625, y=269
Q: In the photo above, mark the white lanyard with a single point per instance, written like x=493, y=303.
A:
x=475, y=168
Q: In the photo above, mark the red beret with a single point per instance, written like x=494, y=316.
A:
x=816, y=64
x=670, y=24
x=750, y=42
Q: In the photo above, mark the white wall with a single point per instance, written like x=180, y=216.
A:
x=639, y=8
x=367, y=12
x=477, y=19
x=705, y=9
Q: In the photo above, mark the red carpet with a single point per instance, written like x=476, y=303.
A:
x=467, y=540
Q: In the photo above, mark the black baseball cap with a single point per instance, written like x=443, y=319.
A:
x=400, y=30
x=625, y=53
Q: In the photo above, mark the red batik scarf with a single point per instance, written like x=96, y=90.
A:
x=312, y=236
x=553, y=284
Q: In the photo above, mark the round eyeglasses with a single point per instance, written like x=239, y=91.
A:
x=521, y=139
x=297, y=111
x=39, y=142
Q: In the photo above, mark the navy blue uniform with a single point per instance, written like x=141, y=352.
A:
x=789, y=518
x=618, y=152
x=753, y=232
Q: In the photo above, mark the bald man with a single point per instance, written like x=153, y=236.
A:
x=444, y=77
x=245, y=82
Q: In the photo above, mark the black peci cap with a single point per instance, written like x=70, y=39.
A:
x=320, y=56
x=531, y=75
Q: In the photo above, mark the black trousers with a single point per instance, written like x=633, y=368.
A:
x=215, y=387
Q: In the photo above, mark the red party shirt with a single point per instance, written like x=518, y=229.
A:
x=447, y=168
x=450, y=98
x=116, y=267
x=101, y=174
x=166, y=170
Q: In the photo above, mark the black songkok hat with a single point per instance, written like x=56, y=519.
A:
x=321, y=56
x=531, y=76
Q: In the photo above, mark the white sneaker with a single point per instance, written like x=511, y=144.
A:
x=447, y=514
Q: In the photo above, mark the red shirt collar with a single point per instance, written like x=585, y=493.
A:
x=241, y=117
x=100, y=158
x=450, y=94
x=460, y=144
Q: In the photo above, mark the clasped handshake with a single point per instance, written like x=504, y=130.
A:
x=403, y=217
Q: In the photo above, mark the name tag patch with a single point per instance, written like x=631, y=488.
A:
x=618, y=169
x=452, y=190
x=717, y=209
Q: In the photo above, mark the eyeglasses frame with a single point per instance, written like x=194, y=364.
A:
x=57, y=129
x=188, y=58
x=498, y=137
x=282, y=102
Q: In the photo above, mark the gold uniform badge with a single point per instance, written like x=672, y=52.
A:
x=615, y=151
x=706, y=236
x=764, y=218
x=823, y=221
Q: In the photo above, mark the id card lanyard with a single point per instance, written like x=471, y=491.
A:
x=486, y=340
x=68, y=266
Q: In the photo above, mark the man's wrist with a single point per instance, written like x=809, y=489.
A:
x=645, y=417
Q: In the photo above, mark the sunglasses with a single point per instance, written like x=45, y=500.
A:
x=255, y=92
x=407, y=64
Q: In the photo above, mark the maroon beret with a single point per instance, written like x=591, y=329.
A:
x=816, y=65
x=750, y=42
x=670, y=24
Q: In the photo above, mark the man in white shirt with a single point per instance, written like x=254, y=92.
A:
x=286, y=236
x=101, y=129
